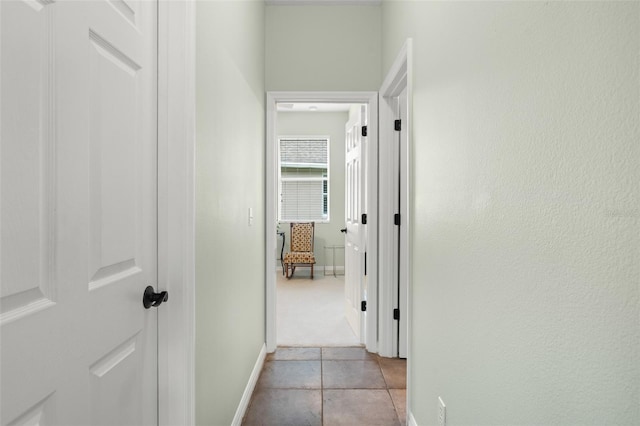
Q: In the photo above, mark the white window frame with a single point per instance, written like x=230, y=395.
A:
x=328, y=178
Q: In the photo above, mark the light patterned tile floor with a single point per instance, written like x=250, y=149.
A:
x=329, y=386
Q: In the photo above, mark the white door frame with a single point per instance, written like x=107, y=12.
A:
x=176, y=212
x=398, y=78
x=370, y=98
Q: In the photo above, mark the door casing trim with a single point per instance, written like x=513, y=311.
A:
x=176, y=212
x=400, y=76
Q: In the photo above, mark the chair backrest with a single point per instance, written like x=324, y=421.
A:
x=302, y=236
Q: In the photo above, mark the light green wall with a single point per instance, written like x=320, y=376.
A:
x=526, y=201
x=323, y=47
x=230, y=282
x=322, y=124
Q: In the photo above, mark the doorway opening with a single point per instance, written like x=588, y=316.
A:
x=320, y=190
x=309, y=136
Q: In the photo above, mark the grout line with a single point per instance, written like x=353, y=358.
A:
x=394, y=406
x=321, y=389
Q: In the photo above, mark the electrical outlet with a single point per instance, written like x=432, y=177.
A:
x=442, y=413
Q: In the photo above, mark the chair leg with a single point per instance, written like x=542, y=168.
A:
x=312, y=271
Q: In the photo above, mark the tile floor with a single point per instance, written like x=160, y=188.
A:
x=329, y=386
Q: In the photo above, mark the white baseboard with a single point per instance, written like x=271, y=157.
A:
x=248, y=391
x=411, y=420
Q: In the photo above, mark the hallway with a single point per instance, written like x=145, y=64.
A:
x=329, y=386
x=524, y=123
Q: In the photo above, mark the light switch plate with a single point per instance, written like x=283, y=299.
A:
x=442, y=413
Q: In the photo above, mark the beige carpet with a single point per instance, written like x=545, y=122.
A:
x=311, y=312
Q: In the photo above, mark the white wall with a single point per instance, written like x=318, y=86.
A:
x=322, y=124
x=230, y=282
x=526, y=207
x=326, y=47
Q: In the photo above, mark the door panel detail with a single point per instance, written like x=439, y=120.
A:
x=114, y=147
x=113, y=379
x=112, y=273
x=125, y=9
x=39, y=414
x=109, y=361
x=113, y=54
x=26, y=162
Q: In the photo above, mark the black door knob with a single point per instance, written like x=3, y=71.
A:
x=151, y=298
x=343, y=230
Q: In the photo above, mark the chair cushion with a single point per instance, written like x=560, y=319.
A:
x=299, y=257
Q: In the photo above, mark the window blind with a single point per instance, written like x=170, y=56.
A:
x=302, y=200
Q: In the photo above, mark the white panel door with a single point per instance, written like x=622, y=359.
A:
x=78, y=212
x=355, y=155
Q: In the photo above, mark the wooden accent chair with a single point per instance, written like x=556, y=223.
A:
x=301, y=252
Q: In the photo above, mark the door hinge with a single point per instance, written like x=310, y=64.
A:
x=364, y=131
x=396, y=314
x=363, y=219
x=397, y=125
x=363, y=306
x=365, y=263
x=396, y=219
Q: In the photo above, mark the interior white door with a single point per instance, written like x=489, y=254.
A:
x=355, y=146
x=78, y=212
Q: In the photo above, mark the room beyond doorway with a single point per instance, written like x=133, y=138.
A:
x=312, y=142
x=310, y=312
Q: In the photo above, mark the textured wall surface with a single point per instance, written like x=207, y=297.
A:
x=230, y=282
x=322, y=124
x=323, y=47
x=526, y=206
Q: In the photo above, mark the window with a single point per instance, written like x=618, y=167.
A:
x=304, y=179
